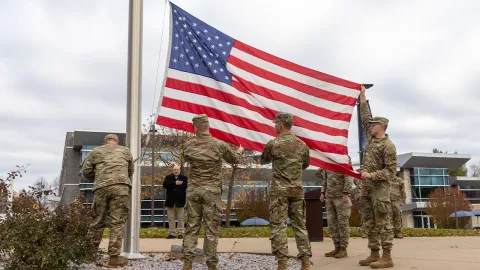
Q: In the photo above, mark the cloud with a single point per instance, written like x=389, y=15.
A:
x=63, y=66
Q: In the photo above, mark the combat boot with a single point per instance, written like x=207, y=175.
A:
x=341, y=254
x=212, y=268
x=282, y=265
x=332, y=253
x=384, y=262
x=187, y=266
x=399, y=235
x=115, y=261
x=374, y=256
x=364, y=236
x=305, y=264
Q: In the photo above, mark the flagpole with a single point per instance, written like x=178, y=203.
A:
x=134, y=101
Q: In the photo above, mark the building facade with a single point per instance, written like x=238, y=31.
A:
x=422, y=173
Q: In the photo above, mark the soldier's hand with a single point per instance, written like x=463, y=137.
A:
x=366, y=176
x=322, y=197
x=178, y=182
x=240, y=149
x=345, y=198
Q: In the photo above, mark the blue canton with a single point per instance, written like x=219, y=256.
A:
x=199, y=48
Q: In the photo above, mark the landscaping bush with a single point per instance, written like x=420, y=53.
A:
x=33, y=237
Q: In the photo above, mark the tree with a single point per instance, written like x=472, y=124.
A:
x=40, y=190
x=441, y=204
x=475, y=169
x=240, y=173
x=55, y=184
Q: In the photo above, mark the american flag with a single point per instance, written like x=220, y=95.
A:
x=242, y=88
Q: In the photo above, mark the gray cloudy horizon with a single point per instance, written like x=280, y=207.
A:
x=63, y=66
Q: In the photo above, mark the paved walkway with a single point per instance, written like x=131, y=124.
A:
x=437, y=253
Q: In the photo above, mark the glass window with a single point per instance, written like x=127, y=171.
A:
x=417, y=222
x=425, y=180
x=424, y=171
x=436, y=171
x=146, y=204
x=425, y=191
x=158, y=204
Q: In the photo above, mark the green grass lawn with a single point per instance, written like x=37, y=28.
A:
x=264, y=231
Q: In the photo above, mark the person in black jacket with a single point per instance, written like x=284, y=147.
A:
x=176, y=186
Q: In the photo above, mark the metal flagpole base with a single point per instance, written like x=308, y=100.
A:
x=133, y=256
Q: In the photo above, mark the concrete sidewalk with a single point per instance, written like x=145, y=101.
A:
x=437, y=253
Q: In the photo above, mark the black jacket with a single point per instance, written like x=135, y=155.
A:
x=176, y=194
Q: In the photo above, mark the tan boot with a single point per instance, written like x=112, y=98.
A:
x=115, y=261
x=341, y=254
x=399, y=235
x=374, y=256
x=187, y=266
x=384, y=262
x=212, y=268
x=333, y=252
x=306, y=264
x=282, y=265
x=364, y=236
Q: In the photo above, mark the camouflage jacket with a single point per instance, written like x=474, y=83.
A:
x=289, y=156
x=204, y=155
x=358, y=190
x=380, y=159
x=398, y=190
x=334, y=184
x=108, y=165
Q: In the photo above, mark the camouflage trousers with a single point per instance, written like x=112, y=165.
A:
x=396, y=217
x=362, y=220
x=116, y=199
x=202, y=203
x=338, y=215
x=282, y=207
x=377, y=215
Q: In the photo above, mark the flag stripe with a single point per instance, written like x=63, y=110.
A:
x=332, y=88
x=305, y=104
x=327, y=126
x=256, y=137
x=244, y=122
x=307, y=89
x=295, y=67
x=195, y=93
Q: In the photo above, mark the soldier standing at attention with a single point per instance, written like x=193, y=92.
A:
x=398, y=198
x=358, y=196
x=289, y=156
x=336, y=188
x=380, y=164
x=110, y=167
x=204, y=155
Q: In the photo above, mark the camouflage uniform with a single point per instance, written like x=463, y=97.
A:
x=335, y=186
x=397, y=197
x=358, y=196
x=204, y=155
x=380, y=161
x=111, y=168
x=290, y=156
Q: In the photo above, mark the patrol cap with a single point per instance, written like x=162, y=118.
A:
x=110, y=137
x=379, y=119
x=200, y=119
x=284, y=118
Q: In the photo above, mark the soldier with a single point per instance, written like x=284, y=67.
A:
x=110, y=167
x=337, y=188
x=290, y=156
x=358, y=196
x=397, y=197
x=204, y=155
x=380, y=164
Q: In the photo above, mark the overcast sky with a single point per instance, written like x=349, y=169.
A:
x=63, y=66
